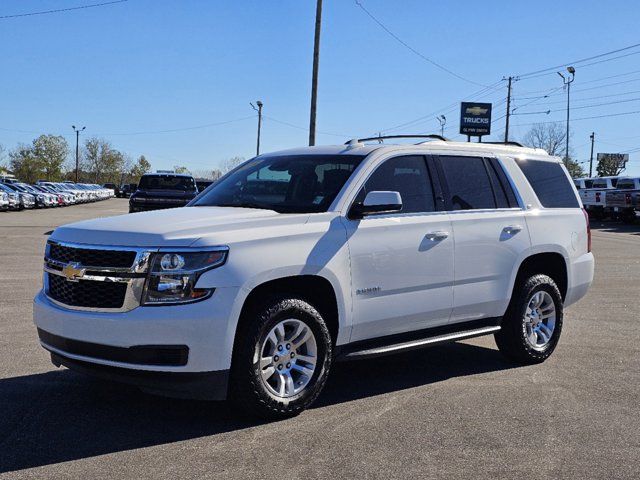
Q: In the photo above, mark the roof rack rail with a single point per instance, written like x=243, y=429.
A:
x=387, y=137
x=510, y=142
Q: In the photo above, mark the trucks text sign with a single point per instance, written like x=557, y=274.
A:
x=475, y=119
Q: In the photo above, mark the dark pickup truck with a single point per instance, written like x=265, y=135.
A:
x=624, y=201
x=162, y=190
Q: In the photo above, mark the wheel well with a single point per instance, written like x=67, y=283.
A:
x=550, y=264
x=315, y=290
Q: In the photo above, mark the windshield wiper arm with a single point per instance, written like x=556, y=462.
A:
x=246, y=205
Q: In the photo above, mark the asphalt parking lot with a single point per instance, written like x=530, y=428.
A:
x=454, y=411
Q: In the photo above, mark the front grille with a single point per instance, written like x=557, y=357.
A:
x=92, y=257
x=86, y=293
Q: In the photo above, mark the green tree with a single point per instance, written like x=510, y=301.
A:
x=101, y=162
x=141, y=167
x=51, y=152
x=25, y=165
x=180, y=169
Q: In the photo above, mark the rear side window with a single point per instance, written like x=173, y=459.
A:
x=626, y=185
x=550, y=183
x=407, y=175
x=469, y=183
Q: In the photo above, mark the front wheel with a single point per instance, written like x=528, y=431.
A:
x=532, y=324
x=281, y=359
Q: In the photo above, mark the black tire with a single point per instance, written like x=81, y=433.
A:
x=511, y=338
x=247, y=389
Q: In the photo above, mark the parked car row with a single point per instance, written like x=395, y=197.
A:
x=611, y=197
x=15, y=195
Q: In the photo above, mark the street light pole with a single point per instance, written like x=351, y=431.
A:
x=567, y=82
x=77, y=148
x=314, y=78
x=259, y=110
x=443, y=121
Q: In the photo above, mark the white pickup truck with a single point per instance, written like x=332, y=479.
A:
x=624, y=201
x=300, y=258
x=594, y=197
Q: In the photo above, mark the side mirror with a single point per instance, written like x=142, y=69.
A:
x=377, y=202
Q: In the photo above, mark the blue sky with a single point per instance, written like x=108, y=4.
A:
x=142, y=66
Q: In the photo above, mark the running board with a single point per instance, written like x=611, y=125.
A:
x=418, y=343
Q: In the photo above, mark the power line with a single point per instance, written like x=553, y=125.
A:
x=172, y=130
x=552, y=69
x=590, y=88
x=413, y=50
x=59, y=10
x=488, y=90
x=581, y=118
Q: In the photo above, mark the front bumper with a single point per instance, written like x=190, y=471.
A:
x=193, y=385
x=118, y=339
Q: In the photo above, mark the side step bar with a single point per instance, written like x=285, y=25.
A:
x=418, y=343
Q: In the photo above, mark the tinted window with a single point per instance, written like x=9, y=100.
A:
x=505, y=198
x=167, y=182
x=407, y=175
x=588, y=184
x=626, y=184
x=550, y=183
x=469, y=183
x=286, y=184
x=600, y=184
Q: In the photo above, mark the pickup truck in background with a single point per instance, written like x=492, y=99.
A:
x=624, y=201
x=594, y=198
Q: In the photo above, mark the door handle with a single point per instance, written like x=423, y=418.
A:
x=436, y=236
x=512, y=229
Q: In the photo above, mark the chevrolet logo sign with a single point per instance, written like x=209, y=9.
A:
x=73, y=271
x=476, y=110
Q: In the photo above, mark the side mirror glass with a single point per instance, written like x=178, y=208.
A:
x=377, y=202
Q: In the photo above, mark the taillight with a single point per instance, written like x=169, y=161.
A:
x=586, y=218
x=627, y=198
x=597, y=196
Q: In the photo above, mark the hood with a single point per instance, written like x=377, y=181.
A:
x=176, y=227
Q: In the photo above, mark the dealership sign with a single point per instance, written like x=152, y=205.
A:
x=475, y=119
x=614, y=158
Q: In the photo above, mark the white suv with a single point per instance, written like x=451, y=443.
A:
x=299, y=258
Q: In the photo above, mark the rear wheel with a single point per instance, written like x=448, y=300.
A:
x=281, y=358
x=532, y=324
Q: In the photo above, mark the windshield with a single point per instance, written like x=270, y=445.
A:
x=167, y=182
x=286, y=184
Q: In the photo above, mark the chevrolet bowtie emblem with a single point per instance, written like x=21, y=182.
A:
x=476, y=110
x=73, y=271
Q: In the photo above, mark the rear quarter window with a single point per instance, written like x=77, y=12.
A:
x=550, y=183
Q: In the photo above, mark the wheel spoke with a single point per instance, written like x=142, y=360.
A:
x=265, y=362
x=307, y=359
x=267, y=373
x=289, y=386
x=304, y=370
x=542, y=334
x=302, y=338
x=279, y=332
x=546, y=330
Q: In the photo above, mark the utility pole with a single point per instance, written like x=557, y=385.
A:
x=592, y=137
x=259, y=110
x=77, y=148
x=567, y=82
x=443, y=121
x=506, y=127
x=314, y=78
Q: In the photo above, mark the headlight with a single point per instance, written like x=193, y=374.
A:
x=173, y=276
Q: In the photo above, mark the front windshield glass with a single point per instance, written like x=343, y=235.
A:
x=286, y=184
x=167, y=182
